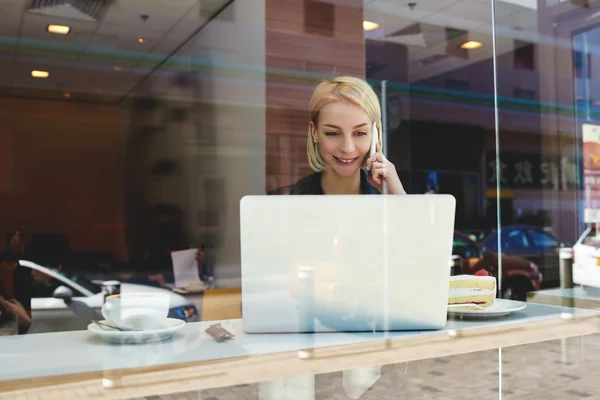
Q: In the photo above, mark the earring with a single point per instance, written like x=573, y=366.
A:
x=315, y=140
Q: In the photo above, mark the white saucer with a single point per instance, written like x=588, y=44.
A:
x=137, y=337
x=500, y=308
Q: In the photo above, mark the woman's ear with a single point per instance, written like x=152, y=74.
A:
x=313, y=131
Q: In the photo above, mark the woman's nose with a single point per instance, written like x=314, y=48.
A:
x=348, y=145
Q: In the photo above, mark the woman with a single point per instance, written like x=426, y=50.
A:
x=342, y=115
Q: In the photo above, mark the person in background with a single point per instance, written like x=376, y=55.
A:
x=16, y=244
x=15, y=294
x=43, y=284
x=47, y=255
x=206, y=264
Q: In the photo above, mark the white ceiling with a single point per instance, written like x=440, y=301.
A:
x=515, y=19
x=97, y=61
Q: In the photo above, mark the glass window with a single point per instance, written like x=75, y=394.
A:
x=541, y=239
x=514, y=240
x=524, y=55
x=454, y=84
x=86, y=284
x=44, y=285
x=592, y=238
x=464, y=248
x=45, y=288
x=130, y=132
x=491, y=241
x=510, y=239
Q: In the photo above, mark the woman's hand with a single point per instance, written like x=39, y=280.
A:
x=383, y=171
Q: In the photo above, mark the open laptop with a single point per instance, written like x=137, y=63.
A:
x=345, y=263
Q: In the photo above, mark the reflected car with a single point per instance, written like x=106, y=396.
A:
x=586, y=260
x=476, y=235
x=85, y=298
x=531, y=243
x=519, y=276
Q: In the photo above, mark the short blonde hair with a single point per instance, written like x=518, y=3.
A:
x=347, y=88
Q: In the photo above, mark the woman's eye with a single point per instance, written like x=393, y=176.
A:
x=361, y=133
x=332, y=133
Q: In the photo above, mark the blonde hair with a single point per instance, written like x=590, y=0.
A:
x=346, y=88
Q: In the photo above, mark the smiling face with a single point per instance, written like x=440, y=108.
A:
x=343, y=132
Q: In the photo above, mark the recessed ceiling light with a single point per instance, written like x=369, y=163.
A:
x=59, y=29
x=471, y=44
x=67, y=95
x=370, y=26
x=40, y=74
x=142, y=40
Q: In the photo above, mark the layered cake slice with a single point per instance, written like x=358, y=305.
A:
x=470, y=299
x=471, y=292
x=473, y=282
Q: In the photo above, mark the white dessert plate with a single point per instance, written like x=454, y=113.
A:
x=172, y=325
x=500, y=308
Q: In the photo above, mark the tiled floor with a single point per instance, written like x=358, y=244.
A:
x=562, y=370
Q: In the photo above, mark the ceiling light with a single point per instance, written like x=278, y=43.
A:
x=370, y=26
x=67, y=95
x=142, y=40
x=471, y=44
x=40, y=74
x=59, y=29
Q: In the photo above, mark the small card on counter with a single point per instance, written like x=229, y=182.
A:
x=219, y=333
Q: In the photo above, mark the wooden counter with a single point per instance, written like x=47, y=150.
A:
x=64, y=364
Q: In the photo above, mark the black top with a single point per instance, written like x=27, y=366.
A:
x=312, y=185
x=23, y=286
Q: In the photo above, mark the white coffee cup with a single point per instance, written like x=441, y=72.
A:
x=137, y=311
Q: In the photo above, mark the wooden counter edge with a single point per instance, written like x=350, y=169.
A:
x=190, y=376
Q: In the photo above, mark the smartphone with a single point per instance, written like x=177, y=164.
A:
x=374, y=140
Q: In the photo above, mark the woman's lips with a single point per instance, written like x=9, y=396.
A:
x=345, y=161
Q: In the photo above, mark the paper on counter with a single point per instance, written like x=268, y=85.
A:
x=185, y=268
